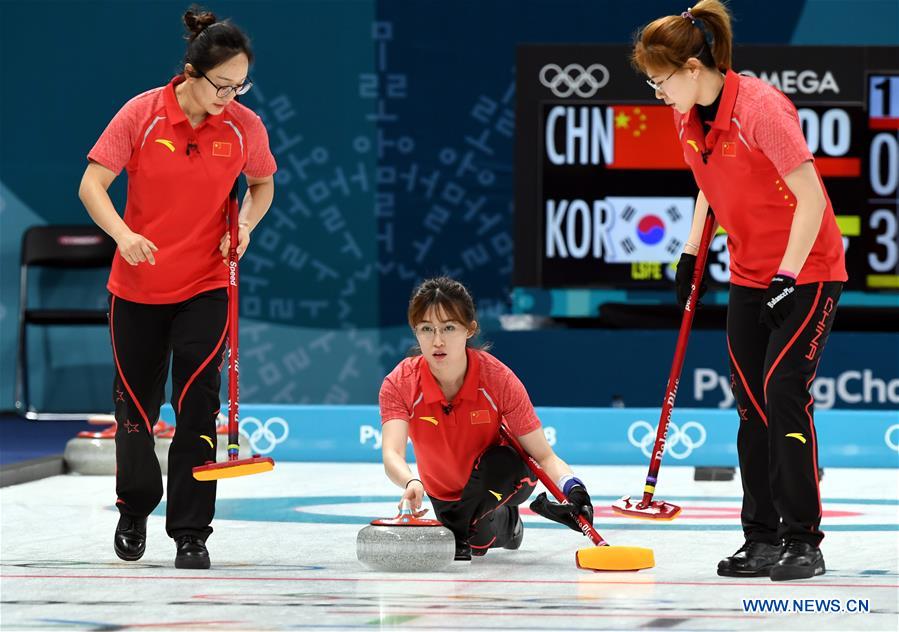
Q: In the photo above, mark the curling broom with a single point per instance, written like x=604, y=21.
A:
x=603, y=556
x=234, y=466
x=648, y=508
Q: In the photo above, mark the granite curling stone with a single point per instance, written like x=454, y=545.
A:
x=92, y=453
x=405, y=544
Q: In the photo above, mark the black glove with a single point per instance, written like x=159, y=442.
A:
x=683, y=279
x=778, y=302
x=578, y=503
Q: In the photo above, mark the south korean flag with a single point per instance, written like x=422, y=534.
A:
x=648, y=228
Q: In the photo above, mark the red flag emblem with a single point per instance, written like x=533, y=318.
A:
x=645, y=138
x=221, y=148
x=480, y=417
x=729, y=149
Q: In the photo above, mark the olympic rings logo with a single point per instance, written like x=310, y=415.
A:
x=264, y=436
x=574, y=79
x=891, y=440
x=680, y=442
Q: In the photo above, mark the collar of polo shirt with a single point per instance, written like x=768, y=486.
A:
x=176, y=115
x=431, y=390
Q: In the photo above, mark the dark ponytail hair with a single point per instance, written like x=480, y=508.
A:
x=448, y=296
x=703, y=32
x=210, y=42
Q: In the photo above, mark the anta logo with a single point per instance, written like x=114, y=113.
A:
x=166, y=143
x=694, y=145
x=793, y=81
x=820, y=326
x=430, y=420
x=496, y=495
x=797, y=435
x=221, y=148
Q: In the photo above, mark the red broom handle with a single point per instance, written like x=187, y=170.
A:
x=539, y=472
x=677, y=364
x=233, y=310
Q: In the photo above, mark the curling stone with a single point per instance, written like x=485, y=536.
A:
x=405, y=544
x=93, y=453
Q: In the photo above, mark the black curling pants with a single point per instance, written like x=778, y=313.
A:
x=144, y=338
x=499, y=481
x=771, y=376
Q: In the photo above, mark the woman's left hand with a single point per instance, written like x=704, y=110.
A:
x=243, y=232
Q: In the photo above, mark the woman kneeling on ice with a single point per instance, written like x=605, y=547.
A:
x=450, y=398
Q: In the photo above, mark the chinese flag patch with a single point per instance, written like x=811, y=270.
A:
x=729, y=149
x=480, y=417
x=221, y=148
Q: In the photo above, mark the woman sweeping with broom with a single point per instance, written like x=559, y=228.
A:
x=743, y=142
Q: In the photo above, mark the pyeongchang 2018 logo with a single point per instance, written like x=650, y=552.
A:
x=797, y=81
x=574, y=79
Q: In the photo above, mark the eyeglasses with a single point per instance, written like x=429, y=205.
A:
x=449, y=330
x=658, y=86
x=223, y=92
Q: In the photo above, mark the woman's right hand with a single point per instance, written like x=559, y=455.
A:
x=414, y=495
x=683, y=279
x=136, y=249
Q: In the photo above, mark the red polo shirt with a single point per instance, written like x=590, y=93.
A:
x=179, y=178
x=753, y=143
x=447, y=444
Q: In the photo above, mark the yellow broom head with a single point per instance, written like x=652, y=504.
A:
x=231, y=469
x=615, y=558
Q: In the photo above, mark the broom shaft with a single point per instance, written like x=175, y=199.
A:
x=550, y=484
x=677, y=365
x=233, y=310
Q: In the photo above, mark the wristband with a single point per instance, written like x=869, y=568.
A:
x=247, y=224
x=691, y=244
x=568, y=482
x=413, y=479
x=786, y=273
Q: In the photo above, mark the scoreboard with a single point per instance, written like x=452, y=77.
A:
x=603, y=197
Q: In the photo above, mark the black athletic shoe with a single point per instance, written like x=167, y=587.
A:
x=800, y=560
x=130, y=540
x=463, y=552
x=753, y=559
x=517, y=531
x=191, y=552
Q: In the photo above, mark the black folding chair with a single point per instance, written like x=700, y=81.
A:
x=56, y=247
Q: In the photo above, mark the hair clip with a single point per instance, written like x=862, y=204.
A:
x=688, y=16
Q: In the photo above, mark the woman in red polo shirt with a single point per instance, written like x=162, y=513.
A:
x=183, y=145
x=449, y=399
x=743, y=141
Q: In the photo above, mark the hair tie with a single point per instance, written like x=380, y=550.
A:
x=687, y=15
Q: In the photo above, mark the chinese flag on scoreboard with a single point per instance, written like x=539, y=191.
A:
x=645, y=138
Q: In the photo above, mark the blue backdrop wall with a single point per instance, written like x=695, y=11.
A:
x=392, y=125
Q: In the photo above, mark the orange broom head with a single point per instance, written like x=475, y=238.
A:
x=231, y=469
x=657, y=509
x=615, y=558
